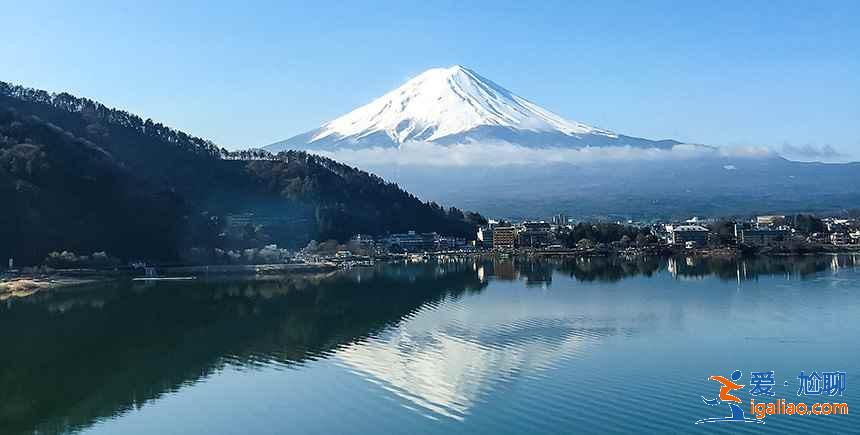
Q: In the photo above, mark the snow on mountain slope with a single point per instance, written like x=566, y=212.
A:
x=454, y=105
x=446, y=101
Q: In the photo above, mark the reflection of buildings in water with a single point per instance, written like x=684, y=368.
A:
x=536, y=272
x=540, y=271
x=754, y=268
x=672, y=267
x=838, y=262
x=504, y=270
x=683, y=271
x=741, y=271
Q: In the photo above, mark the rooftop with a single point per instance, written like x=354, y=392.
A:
x=698, y=228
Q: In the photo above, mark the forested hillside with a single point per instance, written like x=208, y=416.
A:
x=76, y=175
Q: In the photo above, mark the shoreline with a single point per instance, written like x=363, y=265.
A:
x=24, y=284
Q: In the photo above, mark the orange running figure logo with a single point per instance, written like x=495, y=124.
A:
x=727, y=387
x=725, y=396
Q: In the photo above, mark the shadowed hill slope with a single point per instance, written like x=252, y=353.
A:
x=76, y=175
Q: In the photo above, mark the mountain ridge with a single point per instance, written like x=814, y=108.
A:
x=78, y=176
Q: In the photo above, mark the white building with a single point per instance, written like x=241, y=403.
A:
x=697, y=235
x=839, y=239
x=485, y=237
x=769, y=220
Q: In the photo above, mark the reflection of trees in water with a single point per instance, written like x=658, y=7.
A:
x=609, y=269
x=539, y=271
x=731, y=269
x=536, y=271
x=72, y=358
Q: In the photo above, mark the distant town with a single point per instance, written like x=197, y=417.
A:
x=557, y=236
x=561, y=235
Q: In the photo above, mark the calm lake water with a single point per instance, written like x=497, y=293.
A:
x=575, y=346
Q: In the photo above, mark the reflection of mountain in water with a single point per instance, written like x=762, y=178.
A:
x=72, y=358
x=443, y=361
x=446, y=358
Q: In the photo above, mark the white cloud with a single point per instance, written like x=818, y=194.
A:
x=504, y=154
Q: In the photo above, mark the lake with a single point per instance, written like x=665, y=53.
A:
x=449, y=346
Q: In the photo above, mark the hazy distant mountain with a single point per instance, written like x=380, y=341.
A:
x=455, y=105
x=705, y=186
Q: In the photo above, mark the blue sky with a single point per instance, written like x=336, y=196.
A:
x=721, y=73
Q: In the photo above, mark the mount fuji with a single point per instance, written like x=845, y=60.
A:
x=453, y=136
x=456, y=105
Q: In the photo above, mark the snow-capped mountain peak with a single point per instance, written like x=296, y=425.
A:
x=446, y=101
x=452, y=105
